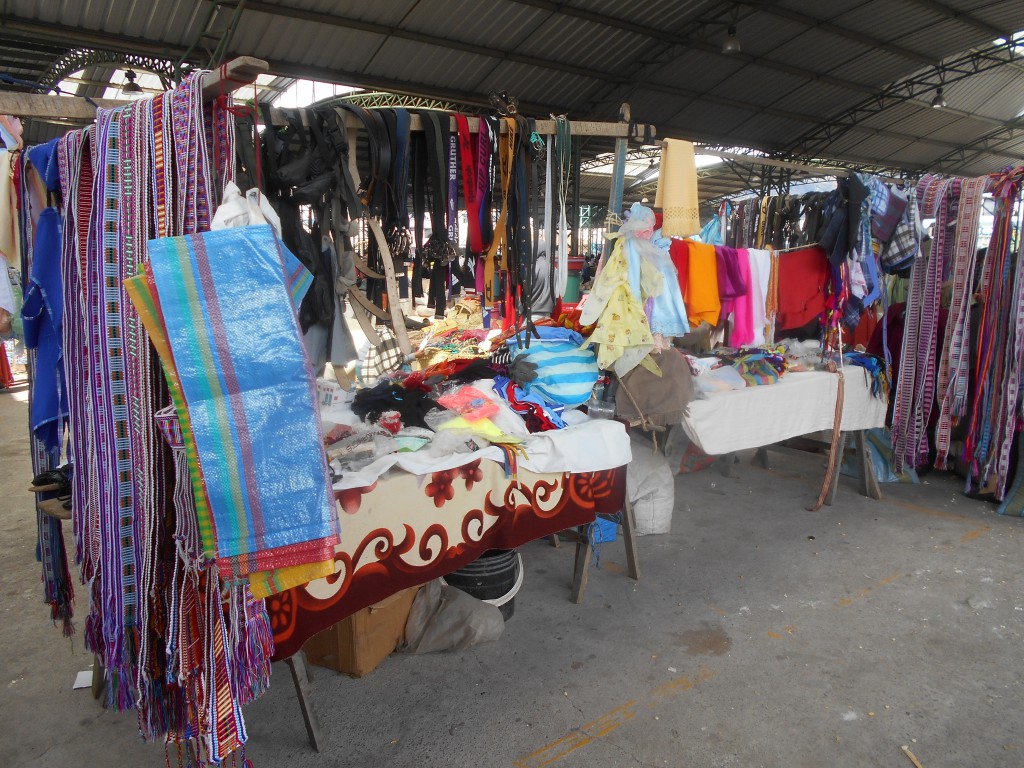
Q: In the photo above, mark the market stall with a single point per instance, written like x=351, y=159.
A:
x=198, y=472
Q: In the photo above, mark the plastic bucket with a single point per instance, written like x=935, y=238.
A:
x=495, y=577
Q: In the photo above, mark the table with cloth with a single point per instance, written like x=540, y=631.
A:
x=429, y=516
x=800, y=403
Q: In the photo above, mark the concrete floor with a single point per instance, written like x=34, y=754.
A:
x=760, y=634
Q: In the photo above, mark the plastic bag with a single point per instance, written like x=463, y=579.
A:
x=238, y=211
x=444, y=618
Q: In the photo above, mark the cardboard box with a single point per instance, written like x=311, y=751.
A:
x=331, y=394
x=357, y=644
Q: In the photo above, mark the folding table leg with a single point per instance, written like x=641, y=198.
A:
x=99, y=684
x=300, y=676
x=581, y=568
x=868, y=480
x=760, y=458
x=629, y=539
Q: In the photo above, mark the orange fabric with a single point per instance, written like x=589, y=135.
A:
x=6, y=377
x=701, y=297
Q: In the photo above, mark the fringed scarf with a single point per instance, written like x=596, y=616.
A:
x=953, y=365
x=997, y=373
x=183, y=649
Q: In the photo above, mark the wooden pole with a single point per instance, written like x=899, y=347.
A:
x=236, y=74
x=618, y=180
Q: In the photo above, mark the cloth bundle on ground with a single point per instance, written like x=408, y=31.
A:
x=651, y=490
x=444, y=618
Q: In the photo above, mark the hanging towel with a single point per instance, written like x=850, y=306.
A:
x=677, y=189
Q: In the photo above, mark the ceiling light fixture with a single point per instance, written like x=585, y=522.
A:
x=731, y=44
x=939, y=101
x=130, y=87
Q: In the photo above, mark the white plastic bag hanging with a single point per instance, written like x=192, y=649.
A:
x=238, y=211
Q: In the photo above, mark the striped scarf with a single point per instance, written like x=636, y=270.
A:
x=915, y=394
x=994, y=419
x=141, y=171
x=952, y=382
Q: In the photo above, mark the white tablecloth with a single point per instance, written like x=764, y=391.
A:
x=798, y=404
x=594, y=445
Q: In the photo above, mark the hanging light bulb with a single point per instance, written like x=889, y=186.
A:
x=731, y=44
x=130, y=87
x=939, y=101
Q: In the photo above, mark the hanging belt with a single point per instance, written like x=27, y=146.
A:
x=431, y=166
x=487, y=152
x=496, y=259
x=373, y=190
x=467, y=154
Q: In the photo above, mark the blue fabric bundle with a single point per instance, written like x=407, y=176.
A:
x=566, y=374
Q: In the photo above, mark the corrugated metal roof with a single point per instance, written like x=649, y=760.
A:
x=663, y=14
x=940, y=39
x=1000, y=94
x=883, y=19
x=804, y=64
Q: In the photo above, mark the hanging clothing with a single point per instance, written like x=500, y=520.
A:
x=622, y=332
x=10, y=231
x=42, y=314
x=803, y=275
x=677, y=189
x=743, y=307
x=657, y=400
x=731, y=283
x=760, y=278
x=702, y=298
x=6, y=375
x=213, y=289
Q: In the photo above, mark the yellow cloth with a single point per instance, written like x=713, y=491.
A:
x=10, y=240
x=677, y=189
x=267, y=583
x=484, y=428
x=702, y=301
x=622, y=333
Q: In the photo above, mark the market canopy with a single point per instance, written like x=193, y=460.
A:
x=849, y=83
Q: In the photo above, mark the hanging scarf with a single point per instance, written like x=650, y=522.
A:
x=953, y=373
